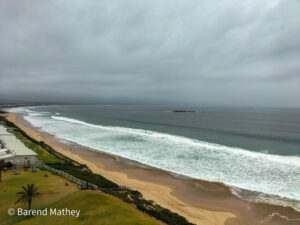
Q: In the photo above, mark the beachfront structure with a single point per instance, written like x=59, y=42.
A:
x=14, y=151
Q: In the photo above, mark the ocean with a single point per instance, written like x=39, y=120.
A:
x=255, y=151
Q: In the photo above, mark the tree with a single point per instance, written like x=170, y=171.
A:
x=2, y=165
x=9, y=165
x=30, y=192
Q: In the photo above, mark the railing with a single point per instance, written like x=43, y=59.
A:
x=82, y=184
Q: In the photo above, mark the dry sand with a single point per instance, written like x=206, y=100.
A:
x=201, y=202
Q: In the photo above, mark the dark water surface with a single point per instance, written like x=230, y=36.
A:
x=270, y=130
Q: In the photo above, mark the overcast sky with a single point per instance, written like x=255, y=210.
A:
x=202, y=52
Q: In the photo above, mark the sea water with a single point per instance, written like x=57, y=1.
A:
x=255, y=151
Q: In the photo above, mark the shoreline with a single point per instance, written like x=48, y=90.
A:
x=198, y=201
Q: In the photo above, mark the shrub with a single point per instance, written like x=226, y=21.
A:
x=8, y=165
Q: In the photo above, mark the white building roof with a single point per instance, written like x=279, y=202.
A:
x=16, y=147
x=7, y=156
x=3, y=130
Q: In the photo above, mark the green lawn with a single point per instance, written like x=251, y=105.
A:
x=96, y=208
x=53, y=188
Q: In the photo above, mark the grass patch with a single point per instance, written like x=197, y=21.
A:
x=95, y=208
x=53, y=188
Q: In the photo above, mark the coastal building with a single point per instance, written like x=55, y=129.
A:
x=14, y=151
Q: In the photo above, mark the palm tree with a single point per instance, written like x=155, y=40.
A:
x=28, y=194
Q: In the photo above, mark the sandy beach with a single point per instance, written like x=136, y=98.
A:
x=201, y=202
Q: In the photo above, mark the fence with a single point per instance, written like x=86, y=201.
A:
x=82, y=184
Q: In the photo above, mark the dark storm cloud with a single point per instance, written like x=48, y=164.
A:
x=181, y=52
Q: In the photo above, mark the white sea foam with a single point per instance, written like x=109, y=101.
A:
x=269, y=178
x=16, y=110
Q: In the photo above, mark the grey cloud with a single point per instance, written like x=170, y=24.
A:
x=228, y=52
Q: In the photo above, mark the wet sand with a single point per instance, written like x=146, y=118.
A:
x=201, y=202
